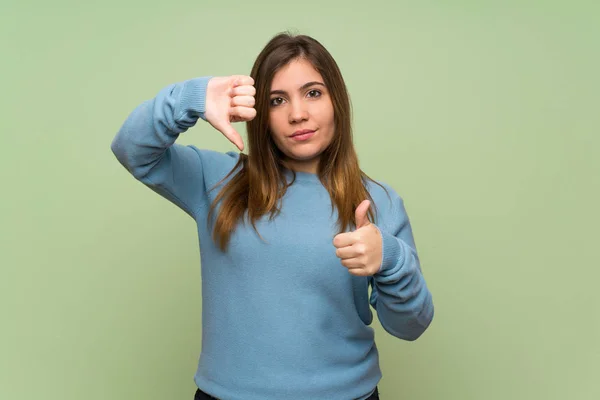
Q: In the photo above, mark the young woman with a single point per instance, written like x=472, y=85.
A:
x=292, y=234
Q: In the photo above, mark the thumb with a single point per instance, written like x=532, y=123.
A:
x=361, y=214
x=230, y=133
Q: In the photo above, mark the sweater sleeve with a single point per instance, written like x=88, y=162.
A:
x=145, y=144
x=399, y=293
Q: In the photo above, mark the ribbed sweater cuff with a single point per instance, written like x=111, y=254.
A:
x=392, y=252
x=193, y=96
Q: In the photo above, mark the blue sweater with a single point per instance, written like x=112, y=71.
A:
x=281, y=318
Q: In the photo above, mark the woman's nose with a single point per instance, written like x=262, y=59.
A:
x=298, y=112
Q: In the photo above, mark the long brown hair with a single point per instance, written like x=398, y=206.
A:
x=260, y=182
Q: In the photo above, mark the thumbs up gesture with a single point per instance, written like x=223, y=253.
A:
x=230, y=99
x=360, y=251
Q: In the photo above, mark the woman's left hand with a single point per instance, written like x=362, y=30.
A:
x=360, y=251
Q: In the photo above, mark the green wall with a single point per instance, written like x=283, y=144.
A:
x=484, y=116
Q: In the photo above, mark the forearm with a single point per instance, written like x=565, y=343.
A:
x=401, y=298
x=153, y=126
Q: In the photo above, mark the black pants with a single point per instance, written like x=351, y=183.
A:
x=200, y=395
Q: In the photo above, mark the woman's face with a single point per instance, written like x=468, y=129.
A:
x=301, y=115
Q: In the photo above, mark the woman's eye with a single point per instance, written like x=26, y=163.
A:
x=276, y=101
x=314, y=93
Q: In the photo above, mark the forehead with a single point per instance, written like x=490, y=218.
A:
x=295, y=74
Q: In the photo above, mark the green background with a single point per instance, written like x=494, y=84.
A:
x=483, y=116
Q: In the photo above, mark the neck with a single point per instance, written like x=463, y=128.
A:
x=309, y=166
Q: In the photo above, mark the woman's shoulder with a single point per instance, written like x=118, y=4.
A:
x=382, y=192
x=389, y=205
x=216, y=164
x=215, y=157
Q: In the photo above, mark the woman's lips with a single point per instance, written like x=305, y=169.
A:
x=302, y=135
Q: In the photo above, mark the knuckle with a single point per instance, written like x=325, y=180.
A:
x=235, y=111
x=248, y=113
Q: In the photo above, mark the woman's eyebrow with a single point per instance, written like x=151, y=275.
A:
x=306, y=85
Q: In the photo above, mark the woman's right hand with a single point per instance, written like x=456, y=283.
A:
x=230, y=99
